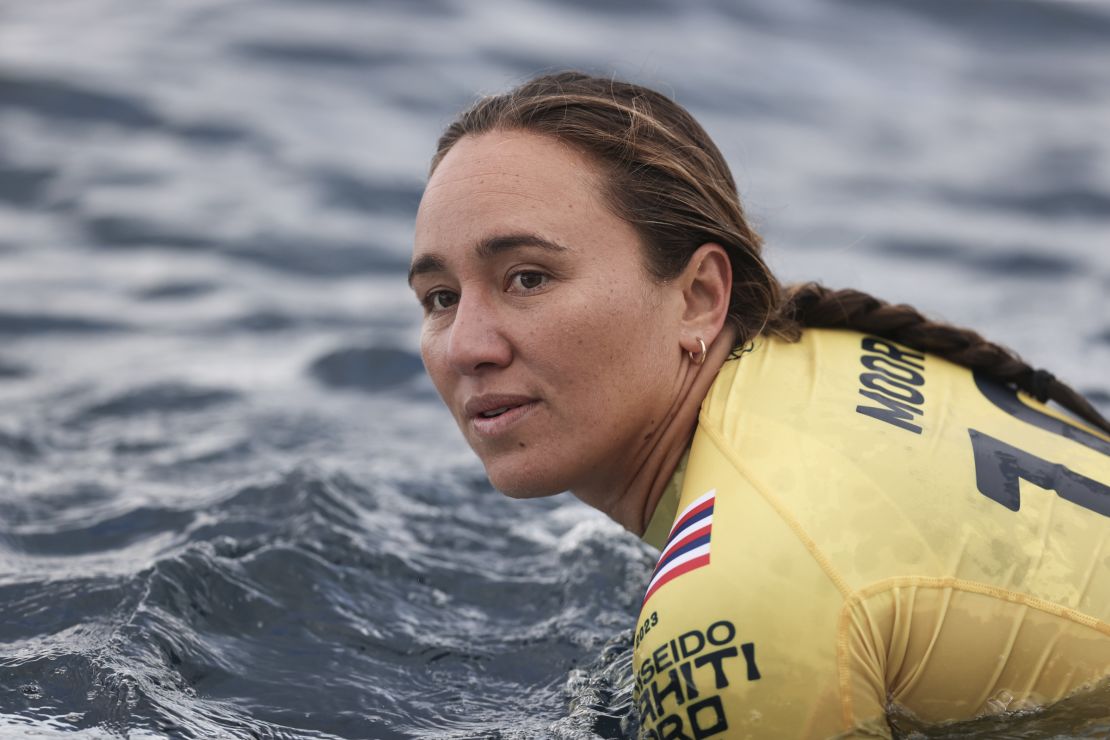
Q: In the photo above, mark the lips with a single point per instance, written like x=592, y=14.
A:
x=493, y=414
x=493, y=405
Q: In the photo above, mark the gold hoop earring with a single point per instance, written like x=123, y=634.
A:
x=699, y=357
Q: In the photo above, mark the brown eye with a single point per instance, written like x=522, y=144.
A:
x=528, y=281
x=441, y=300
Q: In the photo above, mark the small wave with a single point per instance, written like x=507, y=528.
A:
x=1084, y=714
x=1055, y=203
x=425, y=11
x=63, y=614
x=601, y=541
x=55, y=100
x=158, y=398
x=929, y=250
x=310, y=573
x=55, y=505
x=111, y=692
x=267, y=320
x=1064, y=201
x=139, y=447
x=73, y=692
x=113, y=232
x=20, y=445
x=112, y=533
x=600, y=695
x=176, y=289
x=1009, y=25
x=622, y=8
x=216, y=133
x=1064, y=85
x=317, y=257
x=368, y=369
x=310, y=256
x=262, y=322
x=291, y=504
x=350, y=191
x=526, y=62
x=1026, y=263
x=13, y=370
x=303, y=53
x=31, y=324
x=1016, y=262
x=58, y=100
x=211, y=456
x=23, y=187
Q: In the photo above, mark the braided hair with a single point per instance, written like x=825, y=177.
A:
x=814, y=305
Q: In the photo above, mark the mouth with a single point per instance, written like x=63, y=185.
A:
x=493, y=415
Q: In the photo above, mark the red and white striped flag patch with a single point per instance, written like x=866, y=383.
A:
x=687, y=545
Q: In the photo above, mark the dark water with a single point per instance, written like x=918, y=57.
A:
x=230, y=504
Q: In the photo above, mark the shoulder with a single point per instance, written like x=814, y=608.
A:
x=865, y=446
x=742, y=640
x=724, y=642
x=826, y=370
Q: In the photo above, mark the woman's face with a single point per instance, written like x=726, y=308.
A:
x=555, y=350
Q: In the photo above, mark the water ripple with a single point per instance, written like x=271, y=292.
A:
x=158, y=398
x=36, y=324
x=229, y=505
x=369, y=369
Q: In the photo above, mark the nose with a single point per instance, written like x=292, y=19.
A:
x=477, y=341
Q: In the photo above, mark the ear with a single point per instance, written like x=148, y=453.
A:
x=706, y=283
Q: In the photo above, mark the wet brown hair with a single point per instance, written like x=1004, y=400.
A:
x=666, y=177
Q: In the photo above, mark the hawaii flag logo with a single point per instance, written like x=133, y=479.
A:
x=687, y=545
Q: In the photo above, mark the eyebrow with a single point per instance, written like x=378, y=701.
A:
x=488, y=247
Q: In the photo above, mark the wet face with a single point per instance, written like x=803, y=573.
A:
x=556, y=352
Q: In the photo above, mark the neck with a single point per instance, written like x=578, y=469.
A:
x=631, y=500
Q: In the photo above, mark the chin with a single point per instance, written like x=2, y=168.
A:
x=521, y=484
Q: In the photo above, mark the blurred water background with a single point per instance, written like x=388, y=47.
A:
x=230, y=503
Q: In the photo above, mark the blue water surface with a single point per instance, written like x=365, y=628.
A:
x=231, y=504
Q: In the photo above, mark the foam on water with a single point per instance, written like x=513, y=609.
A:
x=308, y=604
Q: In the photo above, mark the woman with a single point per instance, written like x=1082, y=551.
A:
x=848, y=497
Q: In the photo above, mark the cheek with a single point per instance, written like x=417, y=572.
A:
x=642, y=341
x=433, y=355
x=637, y=320
x=610, y=342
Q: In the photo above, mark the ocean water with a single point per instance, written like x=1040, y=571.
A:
x=230, y=502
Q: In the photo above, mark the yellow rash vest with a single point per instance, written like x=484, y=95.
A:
x=859, y=524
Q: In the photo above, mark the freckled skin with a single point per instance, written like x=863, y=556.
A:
x=583, y=328
x=599, y=346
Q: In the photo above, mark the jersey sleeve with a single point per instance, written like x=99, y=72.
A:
x=738, y=634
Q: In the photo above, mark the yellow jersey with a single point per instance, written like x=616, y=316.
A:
x=859, y=524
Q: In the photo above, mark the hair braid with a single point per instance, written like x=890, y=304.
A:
x=814, y=305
